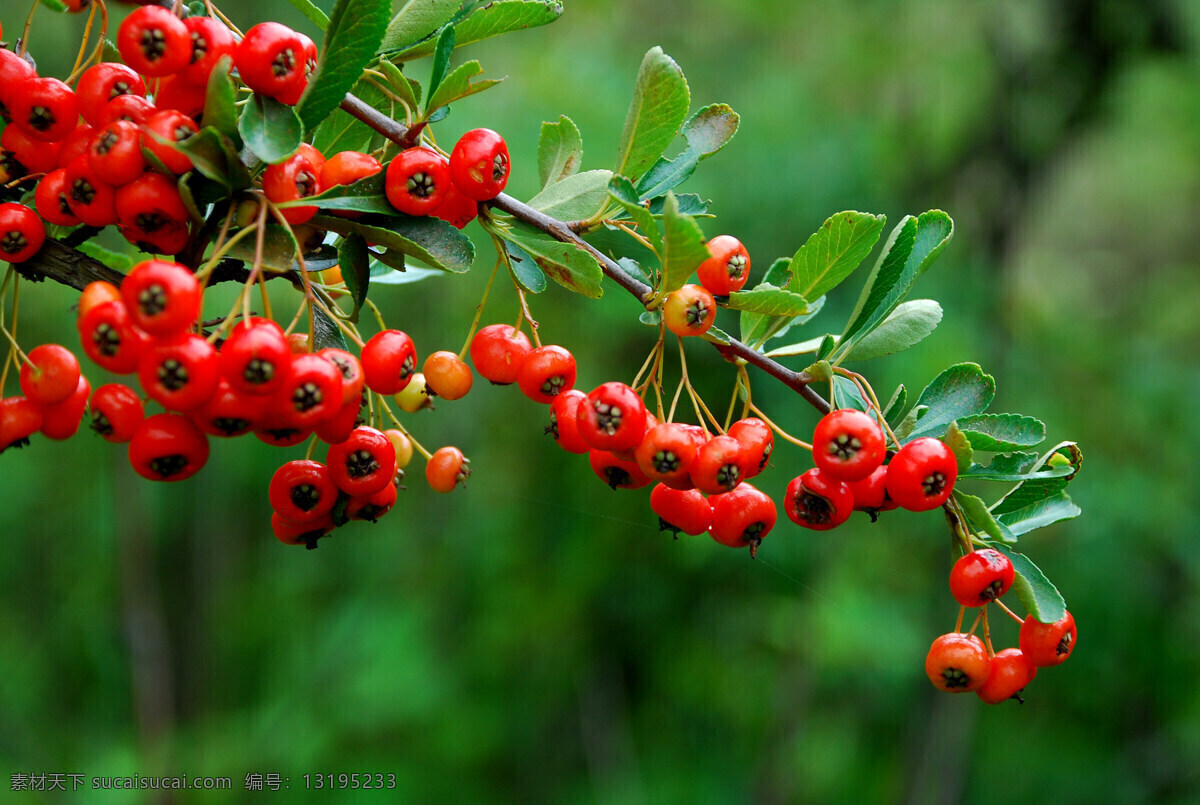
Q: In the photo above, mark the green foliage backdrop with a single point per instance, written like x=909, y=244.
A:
x=534, y=638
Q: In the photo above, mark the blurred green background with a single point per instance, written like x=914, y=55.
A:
x=534, y=638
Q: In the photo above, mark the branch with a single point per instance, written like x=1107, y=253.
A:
x=733, y=351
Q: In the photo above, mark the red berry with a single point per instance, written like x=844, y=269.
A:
x=417, y=180
x=957, y=663
x=50, y=196
x=616, y=472
x=498, y=351
x=446, y=469
x=347, y=167
x=154, y=42
x=848, y=445
x=111, y=339
x=13, y=70
x=728, y=268
x=351, y=370
x=227, y=413
x=210, y=41
x=981, y=576
x=51, y=375
x=1011, y=672
x=690, y=310
x=179, y=372
x=151, y=203
x=921, y=475
x=176, y=92
x=116, y=411
x=1048, y=643
x=311, y=392
x=162, y=297
x=91, y=199
x=305, y=534
x=447, y=375
x=456, y=209
x=34, y=155
x=363, y=464
x=564, y=422
x=742, y=517
x=163, y=127
x=102, y=83
x=816, y=501
x=168, y=447
x=685, y=510
x=479, y=164
x=546, y=372
x=22, y=233
x=613, y=418
x=20, y=418
x=297, y=177
x=372, y=507
x=43, y=108
x=337, y=428
x=133, y=108
x=256, y=359
x=718, y=465
x=302, y=491
x=666, y=454
x=116, y=153
x=96, y=293
x=61, y=420
x=389, y=360
x=757, y=442
x=270, y=59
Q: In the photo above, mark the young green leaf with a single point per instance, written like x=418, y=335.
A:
x=270, y=128
x=1066, y=454
x=278, y=250
x=364, y=195
x=355, y=262
x=353, y=35
x=754, y=326
x=405, y=89
x=415, y=21
x=575, y=197
x=214, y=156
x=982, y=519
x=833, y=252
x=706, y=132
x=715, y=335
x=1003, y=432
x=524, y=269
x=1040, y=598
x=560, y=151
x=1014, y=467
x=219, y=109
x=847, y=394
x=909, y=324
x=458, y=85
x=114, y=260
x=684, y=247
x=769, y=301
x=660, y=103
x=565, y=263
x=441, y=62
x=959, y=391
x=895, y=406
x=430, y=240
x=799, y=348
x=621, y=190
x=912, y=247
x=315, y=15
x=491, y=19
x=1044, y=512
x=689, y=204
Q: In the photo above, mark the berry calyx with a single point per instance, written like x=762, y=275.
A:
x=690, y=310
x=546, y=372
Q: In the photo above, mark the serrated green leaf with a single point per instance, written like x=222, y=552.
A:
x=363, y=195
x=524, y=269
x=458, y=85
x=833, y=252
x=355, y=262
x=393, y=259
x=754, y=326
x=213, y=155
x=660, y=104
x=1030, y=492
x=342, y=131
x=415, y=21
x=689, y=204
x=353, y=35
x=909, y=324
x=1040, y=598
x=683, y=248
x=895, y=405
x=1003, y=432
x=408, y=91
x=382, y=274
x=1044, y=512
x=315, y=15
x=565, y=263
x=1014, y=467
x=326, y=334
x=621, y=190
x=958, y=443
x=491, y=19
x=560, y=150
x=912, y=247
x=270, y=129
x=769, y=300
x=576, y=197
x=219, y=110
x=959, y=391
x=706, y=132
x=430, y=240
x=982, y=519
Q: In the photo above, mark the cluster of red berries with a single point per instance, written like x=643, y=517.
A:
x=961, y=662
x=692, y=309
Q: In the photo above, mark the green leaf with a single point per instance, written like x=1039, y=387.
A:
x=492, y=19
x=355, y=29
x=982, y=519
x=341, y=131
x=769, y=300
x=912, y=247
x=55, y=5
x=660, y=103
x=315, y=15
x=689, y=203
x=622, y=191
x=1015, y=467
x=1040, y=598
x=958, y=443
x=214, y=156
x=1044, y=512
x=683, y=248
x=524, y=269
x=619, y=245
x=355, y=262
x=270, y=129
x=651, y=318
x=908, y=325
x=847, y=394
x=560, y=150
x=278, y=251
x=565, y=263
x=895, y=405
x=576, y=197
x=715, y=335
x=430, y=240
x=406, y=89
x=1030, y=492
x=960, y=391
x=219, y=110
x=458, y=85
x=416, y=20
x=382, y=274
x=799, y=348
x=754, y=326
x=707, y=132
x=833, y=252
x=326, y=334
x=363, y=195
x=441, y=62
x=117, y=261
x=1002, y=432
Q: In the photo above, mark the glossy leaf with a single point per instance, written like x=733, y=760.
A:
x=415, y=21
x=982, y=519
x=364, y=195
x=491, y=19
x=565, y=263
x=355, y=262
x=1032, y=491
x=326, y=334
x=315, y=15
x=689, y=204
x=1003, y=432
x=660, y=104
x=909, y=324
x=278, y=250
x=961, y=390
x=683, y=246
x=769, y=301
x=430, y=240
x=622, y=192
x=833, y=252
x=441, y=62
x=219, y=110
x=352, y=37
x=382, y=274
x=406, y=89
x=912, y=247
x=575, y=197
x=958, y=443
x=270, y=129
x=848, y=395
x=560, y=151
x=342, y=131
x=754, y=326
x=895, y=405
x=1044, y=512
x=715, y=335
x=214, y=156
x=1015, y=467
x=1040, y=598
x=523, y=269
x=706, y=132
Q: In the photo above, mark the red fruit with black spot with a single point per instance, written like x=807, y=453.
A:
x=163, y=298
x=311, y=393
x=61, y=420
x=302, y=491
x=363, y=464
x=179, y=372
x=111, y=339
x=814, y=500
x=564, y=421
x=666, y=454
x=43, y=108
x=848, y=445
x=616, y=472
x=546, y=372
x=742, y=518
x=417, y=180
x=168, y=447
x=718, y=465
x=103, y=82
x=154, y=42
x=480, y=165
x=498, y=350
x=22, y=233
x=389, y=360
x=921, y=475
x=20, y=418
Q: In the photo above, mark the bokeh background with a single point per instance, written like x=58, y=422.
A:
x=534, y=638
